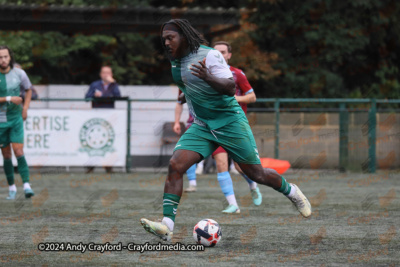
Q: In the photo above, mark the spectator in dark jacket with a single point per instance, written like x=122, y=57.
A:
x=106, y=87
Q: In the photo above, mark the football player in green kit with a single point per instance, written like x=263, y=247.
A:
x=12, y=116
x=204, y=77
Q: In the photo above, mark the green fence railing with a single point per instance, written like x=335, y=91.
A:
x=342, y=105
x=343, y=124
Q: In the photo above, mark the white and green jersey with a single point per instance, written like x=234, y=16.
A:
x=10, y=85
x=209, y=108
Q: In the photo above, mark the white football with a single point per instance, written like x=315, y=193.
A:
x=207, y=232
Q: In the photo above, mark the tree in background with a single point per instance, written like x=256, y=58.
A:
x=256, y=63
x=331, y=48
x=313, y=48
x=57, y=58
x=105, y=3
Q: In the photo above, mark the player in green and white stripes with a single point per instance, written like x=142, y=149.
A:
x=203, y=75
x=12, y=116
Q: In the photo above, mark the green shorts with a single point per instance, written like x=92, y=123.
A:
x=236, y=138
x=12, y=132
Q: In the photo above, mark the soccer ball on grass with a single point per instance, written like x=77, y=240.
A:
x=207, y=232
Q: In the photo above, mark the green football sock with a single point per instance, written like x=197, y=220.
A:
x=285, y=187
x=170, y=205
x=23, y=169
x=9, y=170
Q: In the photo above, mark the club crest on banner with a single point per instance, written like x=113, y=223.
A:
x=97, y=137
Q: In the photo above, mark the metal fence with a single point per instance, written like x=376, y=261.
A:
x=342, y=106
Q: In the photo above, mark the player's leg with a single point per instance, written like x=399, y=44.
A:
x=9, y=171
x=225, y=180
x=254, y=190
x=191, y=175
x=179, y=163
x=17, y=143
x=271, y=178
x=238, y=141
x=191, y=148
x=23, y=168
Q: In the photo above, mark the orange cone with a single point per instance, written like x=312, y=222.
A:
x=281, y=166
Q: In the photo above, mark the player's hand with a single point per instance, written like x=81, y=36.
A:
x=177, y=128
x=200, y=70
x=16, y=100
x=24, y=114
x=182, y=98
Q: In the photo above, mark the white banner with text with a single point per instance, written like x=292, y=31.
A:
x=94, y=137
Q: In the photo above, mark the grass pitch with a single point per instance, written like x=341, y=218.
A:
x=355, y=221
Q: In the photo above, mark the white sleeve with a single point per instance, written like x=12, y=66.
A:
x=216, y=64
x=25, y=82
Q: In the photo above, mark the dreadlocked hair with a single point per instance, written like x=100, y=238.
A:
x=193, y=37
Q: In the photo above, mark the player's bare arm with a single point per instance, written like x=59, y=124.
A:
x=225, y=86
x=13, y=99
x=178, y=112
x=28, y=97
x=247, y=99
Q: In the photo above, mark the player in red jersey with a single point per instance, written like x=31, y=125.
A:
x=244, y=95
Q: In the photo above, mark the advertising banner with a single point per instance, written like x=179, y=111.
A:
x=94, y=137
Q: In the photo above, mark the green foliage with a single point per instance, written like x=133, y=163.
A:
x=331, y=48
x=56, y=58
x=313, y=48
x=118, y=3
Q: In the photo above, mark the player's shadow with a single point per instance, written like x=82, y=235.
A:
x=90, y=201
x=369, y=201
x=301, y=240
x=19, y=202
x=370, y=240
